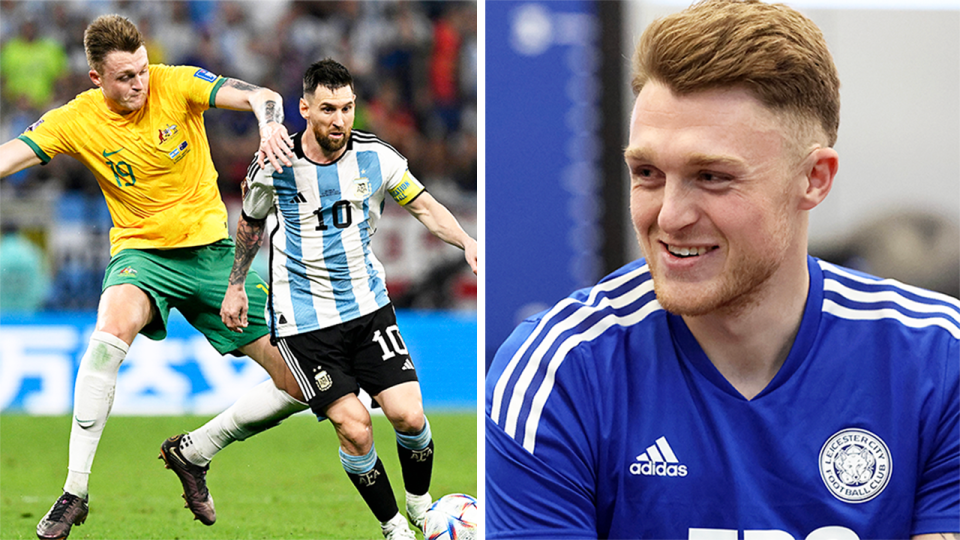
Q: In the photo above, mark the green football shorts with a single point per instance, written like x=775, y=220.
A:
x=194, y=281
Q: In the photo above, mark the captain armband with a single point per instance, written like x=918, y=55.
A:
x=407, y=190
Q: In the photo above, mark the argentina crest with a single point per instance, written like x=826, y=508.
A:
x=324, y=381
x=855, y=465
x=361, y=187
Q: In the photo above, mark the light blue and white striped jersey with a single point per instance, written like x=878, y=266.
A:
x=322, y=270
x=606, y=419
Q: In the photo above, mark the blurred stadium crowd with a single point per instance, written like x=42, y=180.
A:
x=415, y=66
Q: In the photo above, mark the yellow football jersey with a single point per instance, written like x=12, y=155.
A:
x=153, y=165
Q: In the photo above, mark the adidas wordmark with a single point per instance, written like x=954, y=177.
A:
x=658, y=460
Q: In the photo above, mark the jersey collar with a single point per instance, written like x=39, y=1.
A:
x=690, y=351
x=298, y=149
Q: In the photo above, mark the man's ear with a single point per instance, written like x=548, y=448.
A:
x=95, y=77
x=821, y=168
x=304, y=108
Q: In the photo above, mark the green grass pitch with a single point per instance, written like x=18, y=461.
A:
x=283, y=483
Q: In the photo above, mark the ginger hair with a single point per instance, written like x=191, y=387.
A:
x=771, y=50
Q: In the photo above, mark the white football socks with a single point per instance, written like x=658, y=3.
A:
x=92, y=401
x=260, y=409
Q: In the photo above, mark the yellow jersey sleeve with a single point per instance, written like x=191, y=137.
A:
x=47, y=136
x=153, y=165
x=198, y=85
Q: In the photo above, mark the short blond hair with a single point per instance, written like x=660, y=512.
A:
x=109, y=33
x=771, y=50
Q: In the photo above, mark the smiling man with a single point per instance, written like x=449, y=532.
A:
x=141, y=133
x=729, y=385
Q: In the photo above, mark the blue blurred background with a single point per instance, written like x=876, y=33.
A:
x=183, y=374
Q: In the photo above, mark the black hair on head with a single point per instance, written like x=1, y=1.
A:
x=328, y=73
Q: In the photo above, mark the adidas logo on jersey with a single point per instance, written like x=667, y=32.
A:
x=299, y=198
x=658, y=460
x=407, y=365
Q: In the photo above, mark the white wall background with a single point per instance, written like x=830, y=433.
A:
x=899, y=139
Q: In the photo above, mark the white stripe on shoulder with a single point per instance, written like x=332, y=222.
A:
x=904, y=298
x=540, y=398
x=868, y=297
x=554, y=327
x=828, y=267
x=844, y=312
x=253, y=169
x=366, y=137
x=548, y=318
x=534, y=364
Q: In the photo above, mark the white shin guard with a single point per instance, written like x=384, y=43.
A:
x=92, y=401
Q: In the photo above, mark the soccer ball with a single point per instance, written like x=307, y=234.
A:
x=451, y=517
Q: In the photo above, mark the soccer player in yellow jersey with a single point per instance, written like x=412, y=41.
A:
x=142, y=135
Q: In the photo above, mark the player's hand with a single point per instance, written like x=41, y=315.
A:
x=276, y=146
x=470, y=254
x=233, y=310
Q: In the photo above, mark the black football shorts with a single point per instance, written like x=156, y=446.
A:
x=366, y=353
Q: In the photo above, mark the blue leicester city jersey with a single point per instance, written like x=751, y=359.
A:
x=322, y=269
x=605, y=419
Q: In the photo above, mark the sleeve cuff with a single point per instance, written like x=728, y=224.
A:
x=213, y=93
x=36, y=149
x=248, y=217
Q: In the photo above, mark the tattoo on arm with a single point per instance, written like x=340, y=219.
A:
x=249, y=235
x=272, y=113
x=265, y=105
x=240, y=85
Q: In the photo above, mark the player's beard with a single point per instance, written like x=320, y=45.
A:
x=330, y=145
x=736, y=289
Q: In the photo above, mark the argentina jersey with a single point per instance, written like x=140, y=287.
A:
x=606, y=419
x=322, y=270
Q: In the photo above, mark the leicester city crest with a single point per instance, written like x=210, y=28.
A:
x=324, y=381
x=855, y=465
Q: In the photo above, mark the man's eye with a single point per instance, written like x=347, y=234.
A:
x=707, y=176
x=645, y=175
x=643, y=172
